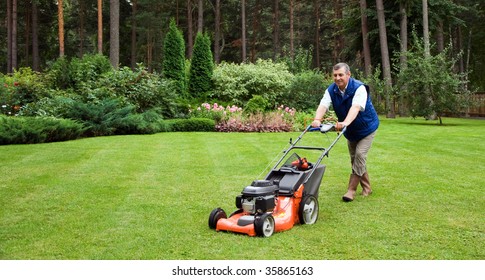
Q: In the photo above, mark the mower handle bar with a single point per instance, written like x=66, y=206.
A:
x=324, y=128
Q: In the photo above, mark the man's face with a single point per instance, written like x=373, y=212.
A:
x=341, y=78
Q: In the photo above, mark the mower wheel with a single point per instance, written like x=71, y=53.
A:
x=308, y=212
x=264, y=225
x=215, y=215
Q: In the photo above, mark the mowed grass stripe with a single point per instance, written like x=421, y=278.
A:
x=149, y=196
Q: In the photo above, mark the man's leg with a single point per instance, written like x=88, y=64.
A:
x=358, y=157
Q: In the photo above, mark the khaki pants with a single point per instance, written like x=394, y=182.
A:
x=358, y=153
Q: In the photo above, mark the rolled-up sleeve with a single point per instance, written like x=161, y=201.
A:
x=326, y=100
x=360, y=97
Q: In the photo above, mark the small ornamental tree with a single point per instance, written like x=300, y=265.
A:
x=430, y=85
x=173, y=66
x=201, y=67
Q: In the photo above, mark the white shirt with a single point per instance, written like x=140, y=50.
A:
x=360, y=98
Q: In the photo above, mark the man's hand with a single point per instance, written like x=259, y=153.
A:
x=340, y=125
x=316, y=123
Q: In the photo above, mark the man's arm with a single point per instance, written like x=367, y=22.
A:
x=351, y=115
x=321, y=110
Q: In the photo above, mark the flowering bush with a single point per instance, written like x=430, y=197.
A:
x=215, y=112
x=232, y=118
x=18, y=89
x=10, y=99
x=258, y=122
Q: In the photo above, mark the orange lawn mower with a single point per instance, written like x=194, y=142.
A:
x=288, y=195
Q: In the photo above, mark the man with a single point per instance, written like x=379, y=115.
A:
x=353, y=106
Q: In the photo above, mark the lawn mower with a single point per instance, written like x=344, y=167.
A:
x=288, y=195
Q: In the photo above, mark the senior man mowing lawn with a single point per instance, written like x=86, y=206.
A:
x=353, y=106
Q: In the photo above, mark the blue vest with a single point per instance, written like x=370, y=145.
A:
x=366, y=121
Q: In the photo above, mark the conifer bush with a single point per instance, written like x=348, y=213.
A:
x=173, y=65
x=32, y=130
x=201, y=67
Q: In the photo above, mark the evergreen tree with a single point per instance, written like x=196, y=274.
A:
x=174, y=58
x=201, y=67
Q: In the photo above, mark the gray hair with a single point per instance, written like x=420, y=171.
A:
x=340, y=65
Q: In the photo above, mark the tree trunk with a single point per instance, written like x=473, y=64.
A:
x=461, y=64
x=82, y=12
x=440, y=38
x=14, y=35
x=403, y=111
x=403, y=34
x=217, y=32
x=100, y=26
x=276, y=30
x=365, y=38
x=149, y=51
x=256, y=31
x=190, y=30
x=9, y=36
x=134, y=8
x=243, y=30
x=114, y=32
x=316, y=11
x=338, y=39
x=292, y=32
x=426, y=29
x=427, y=52
x=60, y=15
x=35, y=37
x=200, y=17
x=386, y=65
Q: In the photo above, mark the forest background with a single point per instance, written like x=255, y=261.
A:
x=395, y=46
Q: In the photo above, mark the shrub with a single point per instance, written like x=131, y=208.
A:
x=88, y=69
x=144, y=90
x=237, y=83
x=302, y=119
x=22, y=87
x=30, y=130
x=257, y=104
x=148, y=122
x=100, y=118
x=192, y=124
x=57, y=105
x=306, y=90
x=78, y=72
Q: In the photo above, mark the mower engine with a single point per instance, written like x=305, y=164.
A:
x=258, y=198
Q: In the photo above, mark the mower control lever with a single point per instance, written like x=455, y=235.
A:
x=323, y=128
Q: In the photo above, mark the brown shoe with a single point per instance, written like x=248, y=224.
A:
x=365, y=183
x=353, y=183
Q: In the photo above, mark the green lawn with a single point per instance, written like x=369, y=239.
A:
x=149, y=196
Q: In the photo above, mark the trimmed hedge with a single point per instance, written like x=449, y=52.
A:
x=193, y=124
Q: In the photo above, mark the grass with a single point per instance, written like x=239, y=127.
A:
x=149, y=197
